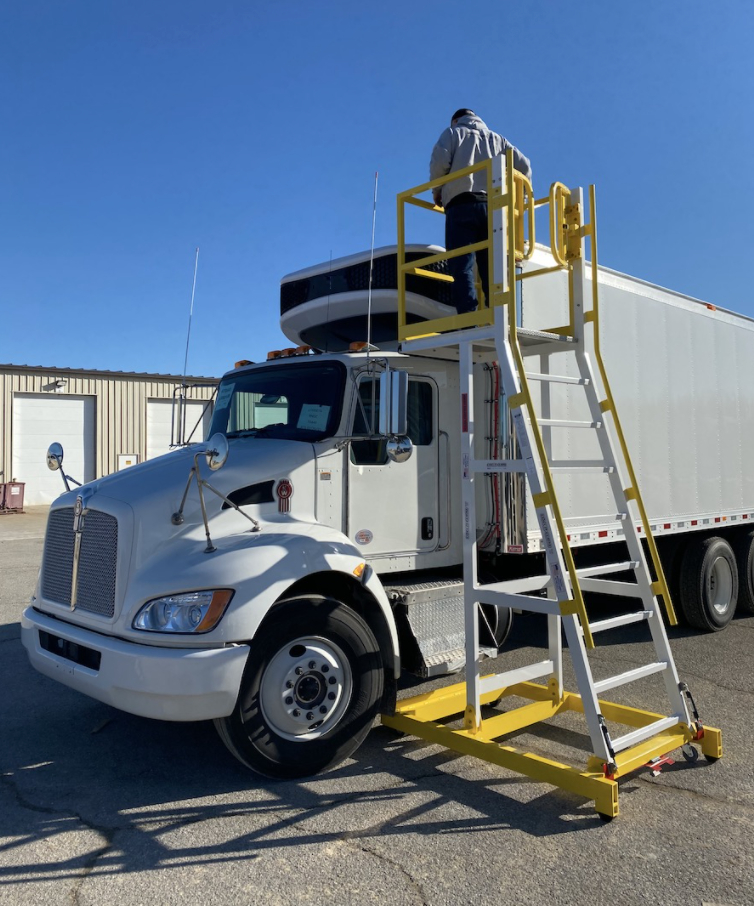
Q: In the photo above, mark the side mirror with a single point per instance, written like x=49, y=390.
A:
x=394, y=403
x=55, y=457
x=217, y=452
x=399, y=449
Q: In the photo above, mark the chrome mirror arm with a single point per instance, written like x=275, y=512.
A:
x=215, y=459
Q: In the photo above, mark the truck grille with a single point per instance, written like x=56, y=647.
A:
x=97, y=563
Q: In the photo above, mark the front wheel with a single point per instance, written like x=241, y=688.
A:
x=310, y=691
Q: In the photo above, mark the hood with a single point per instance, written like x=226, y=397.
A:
x=153, y=490
x=250, y=460
x=471, y=121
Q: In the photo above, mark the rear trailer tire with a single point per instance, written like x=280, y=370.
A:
x=709, y=584
x=743, y=548
x=310, y=691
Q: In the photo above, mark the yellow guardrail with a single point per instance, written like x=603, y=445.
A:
x=519, y=205
x=660, y=586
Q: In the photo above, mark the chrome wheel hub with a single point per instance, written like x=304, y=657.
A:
x=720, y=585
x=306, y=688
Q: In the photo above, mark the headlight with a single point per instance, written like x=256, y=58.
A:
x=193, y=611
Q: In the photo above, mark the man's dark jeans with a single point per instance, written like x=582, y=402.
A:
x=464, y=225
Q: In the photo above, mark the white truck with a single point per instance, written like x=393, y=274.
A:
x=281, y=592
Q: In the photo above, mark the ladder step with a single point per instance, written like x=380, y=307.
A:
x=565, y=423
x=622, y=620
x=595, y=520
x=543, y=336
x=519, y=675
x=557, y=378
x=611, y=587
x=630, y=676
x=635, y=736
x=608, y=568
x=581, y=466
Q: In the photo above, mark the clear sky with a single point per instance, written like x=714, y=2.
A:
x=133, y=132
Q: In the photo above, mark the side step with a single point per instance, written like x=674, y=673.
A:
x=434, y=614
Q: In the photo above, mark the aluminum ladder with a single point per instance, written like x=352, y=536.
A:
x=652, y=735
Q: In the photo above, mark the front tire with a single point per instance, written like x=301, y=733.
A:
x=709, y=584
x=310, y=691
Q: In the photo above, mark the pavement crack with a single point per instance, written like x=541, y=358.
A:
x=356, y=841
x=107, y=833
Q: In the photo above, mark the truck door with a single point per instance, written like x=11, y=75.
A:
x=393, y=508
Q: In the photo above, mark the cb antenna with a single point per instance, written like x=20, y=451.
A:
x=181, y=426
x=191, y=312
x=371, y=267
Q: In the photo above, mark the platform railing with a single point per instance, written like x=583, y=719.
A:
x=513, y=197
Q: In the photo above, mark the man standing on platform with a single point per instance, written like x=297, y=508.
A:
x=468, y=141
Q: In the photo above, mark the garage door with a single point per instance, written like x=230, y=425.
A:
x=39, y=419
x=159, y=419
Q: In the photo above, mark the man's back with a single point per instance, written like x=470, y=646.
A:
x=467, y=142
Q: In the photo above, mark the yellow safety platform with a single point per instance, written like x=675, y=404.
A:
x=424, y=716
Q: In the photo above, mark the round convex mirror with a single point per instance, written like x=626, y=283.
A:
x=217, y=452
x=55, y=457
x=399, y=449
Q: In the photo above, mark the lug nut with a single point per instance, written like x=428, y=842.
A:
x=299, y=671
x=296, y=712
x=312, y=665
x=322, y=709
x=331, y=696
x=288, y=684
x=309, y=716
x=332, y=681
x=325, y=668
x=288, y=700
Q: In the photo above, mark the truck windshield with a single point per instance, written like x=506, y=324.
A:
x=296, y=401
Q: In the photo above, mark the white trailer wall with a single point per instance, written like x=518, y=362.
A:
x=680, y=374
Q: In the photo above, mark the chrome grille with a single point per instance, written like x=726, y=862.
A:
x=97, y=563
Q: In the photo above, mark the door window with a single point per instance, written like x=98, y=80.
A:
x=373, y=452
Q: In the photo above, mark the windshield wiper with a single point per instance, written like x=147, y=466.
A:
x=249, y=432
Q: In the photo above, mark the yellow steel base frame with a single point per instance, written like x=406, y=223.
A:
x=421, y=715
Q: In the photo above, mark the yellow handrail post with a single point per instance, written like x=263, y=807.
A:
x=632, y=493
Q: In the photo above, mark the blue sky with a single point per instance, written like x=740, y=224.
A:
x=133, y=132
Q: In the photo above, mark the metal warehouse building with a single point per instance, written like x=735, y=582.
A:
x=105, y=420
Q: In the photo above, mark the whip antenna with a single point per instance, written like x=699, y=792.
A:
x=191, y=312
x=181, y=420
x=371, y=267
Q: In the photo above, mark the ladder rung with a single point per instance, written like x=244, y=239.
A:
x=580, y=466
x=518, y=586
x=564, y=423
x=518, y=675
x=595, y=520
x=489, y=594
x=623, y=620
x=630, y=739
x=607, y=568
x=557, y=378
x=611, y=587
x=544, y=336
x=630, y=676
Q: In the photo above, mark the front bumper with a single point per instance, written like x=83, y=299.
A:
x=164, y=683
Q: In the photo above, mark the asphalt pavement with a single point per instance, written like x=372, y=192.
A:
x=100, y=807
